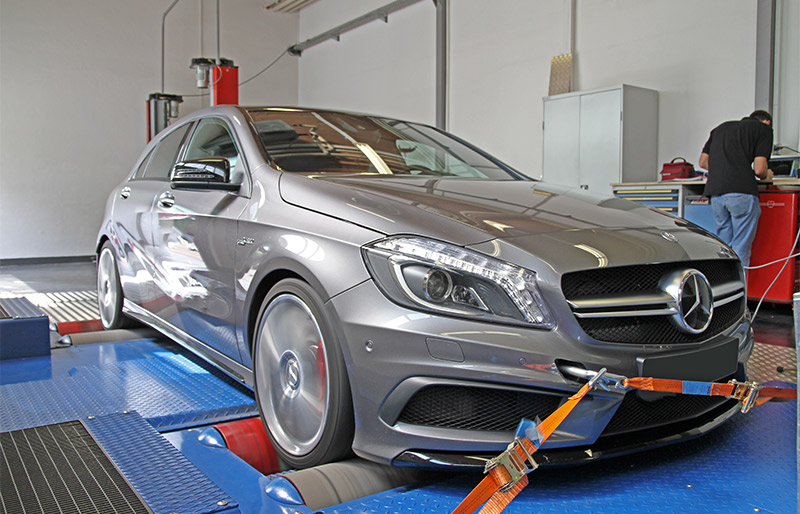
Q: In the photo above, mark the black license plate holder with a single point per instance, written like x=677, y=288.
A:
x=705, y=365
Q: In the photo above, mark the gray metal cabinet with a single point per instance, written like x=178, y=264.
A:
x=598, y=137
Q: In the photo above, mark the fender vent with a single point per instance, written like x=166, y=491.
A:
x=61, y=468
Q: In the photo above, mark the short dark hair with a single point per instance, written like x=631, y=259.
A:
x=761, y=115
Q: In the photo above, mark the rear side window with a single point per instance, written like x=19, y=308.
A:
x=142, y=166
x=165, y=154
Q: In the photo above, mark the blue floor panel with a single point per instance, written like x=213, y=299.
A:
x=167, y=481
x=168, y=388
x=746, y=466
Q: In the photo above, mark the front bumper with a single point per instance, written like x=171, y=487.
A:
x=429, y=390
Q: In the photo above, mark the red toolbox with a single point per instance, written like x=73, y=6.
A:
x=777, y=230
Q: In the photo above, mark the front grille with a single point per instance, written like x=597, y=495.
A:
x=636, y=280
x=658, y=329
x=474, y=408
x=636, y=413
x=61, y=468
x=642, y=277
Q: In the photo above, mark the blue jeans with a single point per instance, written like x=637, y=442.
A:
x=737, y=216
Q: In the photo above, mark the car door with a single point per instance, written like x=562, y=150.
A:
x=132, y=228
x=194, y=242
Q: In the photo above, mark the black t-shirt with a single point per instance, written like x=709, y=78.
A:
x=732, y=147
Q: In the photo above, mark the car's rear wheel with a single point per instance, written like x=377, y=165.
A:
x=109, y=290
x=301, y=381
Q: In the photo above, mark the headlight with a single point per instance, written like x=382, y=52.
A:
x=438, y=277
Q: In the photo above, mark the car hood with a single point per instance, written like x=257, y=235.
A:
x=465, y=211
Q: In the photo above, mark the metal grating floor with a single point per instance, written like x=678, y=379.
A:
x=61, y=468
x=67, y=306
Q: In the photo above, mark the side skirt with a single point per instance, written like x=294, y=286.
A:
x=223, y=362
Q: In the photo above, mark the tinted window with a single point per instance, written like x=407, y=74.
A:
x=165, y=153
x=213, y=139
x=325, y=142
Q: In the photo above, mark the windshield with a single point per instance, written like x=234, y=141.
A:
x=325, y=142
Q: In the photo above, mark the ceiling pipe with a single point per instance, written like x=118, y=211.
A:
x=289, y=6
x=765, y=54
x=381, y=13
x=163, y=22
x=441, y=63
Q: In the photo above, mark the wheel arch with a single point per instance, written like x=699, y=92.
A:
x=259, y=292
x=100, y=242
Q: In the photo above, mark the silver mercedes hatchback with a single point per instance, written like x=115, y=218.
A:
x=388, y=289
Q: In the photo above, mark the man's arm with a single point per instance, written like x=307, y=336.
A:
x=703, y=162
x=760, y=166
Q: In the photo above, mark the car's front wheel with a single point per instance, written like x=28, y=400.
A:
x=109, y=290
x=301, y=381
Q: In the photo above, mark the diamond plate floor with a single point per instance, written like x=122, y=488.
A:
x=169, y=388
x=769, y=362
x=167, y=481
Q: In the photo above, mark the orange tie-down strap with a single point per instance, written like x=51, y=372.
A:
x=507, y=473
x=749, y=393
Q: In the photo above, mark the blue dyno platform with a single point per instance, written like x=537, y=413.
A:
x=168, y=388
x=747, y=465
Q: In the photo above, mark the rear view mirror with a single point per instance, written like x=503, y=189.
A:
x=203, y=173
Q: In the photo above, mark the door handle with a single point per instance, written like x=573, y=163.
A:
x=125, y=192
x=166, y=199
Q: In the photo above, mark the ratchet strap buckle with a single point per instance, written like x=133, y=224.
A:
x=745, y=392
x=516, y=460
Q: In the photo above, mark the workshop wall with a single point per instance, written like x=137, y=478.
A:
x=700, y=56
x=74, y=79
x=379, y=68
x=787, y=93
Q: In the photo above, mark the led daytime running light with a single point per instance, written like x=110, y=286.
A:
x=518, y=283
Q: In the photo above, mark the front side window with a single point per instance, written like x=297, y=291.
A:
x=213, y=139
x=165, y=154
x=324, y=142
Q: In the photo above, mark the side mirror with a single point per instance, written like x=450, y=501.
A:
x=203, y=173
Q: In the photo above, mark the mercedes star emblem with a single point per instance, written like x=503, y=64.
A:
x=692, y=300
x=669, y=236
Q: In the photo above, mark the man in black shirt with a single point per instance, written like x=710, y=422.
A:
x=735, y=154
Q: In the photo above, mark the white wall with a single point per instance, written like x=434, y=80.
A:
x=75, y=74
x=380, y=68
x=787, y=94
x=74, y=79
x=700, y=56
x=499, y=71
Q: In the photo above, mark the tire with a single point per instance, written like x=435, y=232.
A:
x=109, y=290
x=302, y=389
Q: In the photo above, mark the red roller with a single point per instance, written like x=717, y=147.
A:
x=249, y=441
x=77, y=327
